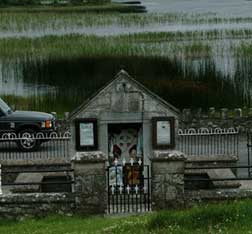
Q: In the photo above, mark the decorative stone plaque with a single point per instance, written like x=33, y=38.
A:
x=86, y=134
x=163, y=132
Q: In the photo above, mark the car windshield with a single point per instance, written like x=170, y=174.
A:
x=4, y=107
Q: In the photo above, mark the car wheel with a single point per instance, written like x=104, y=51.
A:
x=27, y=140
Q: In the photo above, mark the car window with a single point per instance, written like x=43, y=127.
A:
x=4, y=107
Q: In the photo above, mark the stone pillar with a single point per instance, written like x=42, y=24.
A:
x=167, y=179
x=90, y=182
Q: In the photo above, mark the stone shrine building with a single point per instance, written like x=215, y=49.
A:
x=123, y=121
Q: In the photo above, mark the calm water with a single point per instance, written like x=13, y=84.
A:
x=230, y=8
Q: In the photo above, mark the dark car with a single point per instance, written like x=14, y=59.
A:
x=26, y=125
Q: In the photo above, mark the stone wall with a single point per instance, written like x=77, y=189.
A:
x=196, y=118
x=90, y=182
x=196, y=196
x=213, y=118
x=36, y=204
x=15, y=167
x=167, y=179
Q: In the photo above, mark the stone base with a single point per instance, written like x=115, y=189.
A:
x=90, y=182
x=167, y=179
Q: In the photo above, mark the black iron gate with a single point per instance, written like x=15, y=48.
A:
x=249, y=146
x=128, y=187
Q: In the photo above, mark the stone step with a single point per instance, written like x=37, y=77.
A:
x=216, y=174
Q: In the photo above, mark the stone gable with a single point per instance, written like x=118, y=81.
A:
x=124, y=95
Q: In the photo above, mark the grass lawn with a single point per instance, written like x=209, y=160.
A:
x=229, y=217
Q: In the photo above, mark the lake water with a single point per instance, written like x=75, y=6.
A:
x=225, y=8
x=17, y=81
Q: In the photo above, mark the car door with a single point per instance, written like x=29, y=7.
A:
x=4, y=123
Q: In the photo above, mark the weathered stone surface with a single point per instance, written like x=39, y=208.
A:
x=218, y=118
x=28, y=178
x=36, y=204
x=168, y=155
x=223, y=173
x=217, y=194
x=212, y=158
x=90, y=186
x=91, y=156
x=167, y=179
x=123, y=100
x=170, y=167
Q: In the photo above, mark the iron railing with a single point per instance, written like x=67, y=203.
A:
x=49, y=146
x=206, y=142
x=197, y=177
x=128, y=188
x=54, y=178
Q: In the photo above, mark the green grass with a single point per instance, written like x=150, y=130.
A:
x=227, y=218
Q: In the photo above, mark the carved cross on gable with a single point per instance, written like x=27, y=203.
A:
x=124, y=98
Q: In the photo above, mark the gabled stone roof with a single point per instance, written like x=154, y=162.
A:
x=121, y=75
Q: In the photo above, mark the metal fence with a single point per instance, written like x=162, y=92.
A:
x=51, y=146
x=203, y=181
x=36, y=178
x=129, y=188
x=204, y=141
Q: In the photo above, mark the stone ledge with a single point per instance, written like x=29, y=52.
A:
x=89, y=156
x=168, y=155
x=212, y=158
x=28, y=162
x=218, y=194
x=32, y=198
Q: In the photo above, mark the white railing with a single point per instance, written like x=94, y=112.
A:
x=36, y=136
x=33, y=146
x=206, y=142
x=207, y=131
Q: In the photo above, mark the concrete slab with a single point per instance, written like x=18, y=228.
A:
x=28, y=178
x=222, y=174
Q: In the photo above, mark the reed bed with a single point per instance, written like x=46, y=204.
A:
x=244, y=49
x=21, y=21
x=189, y=66
x=182, y=66
x=142, y=44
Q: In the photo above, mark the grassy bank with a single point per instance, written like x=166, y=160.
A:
x=222, y=218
